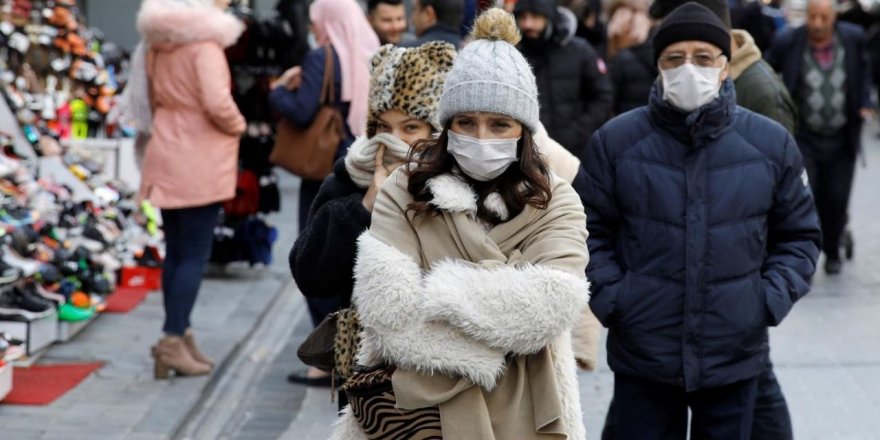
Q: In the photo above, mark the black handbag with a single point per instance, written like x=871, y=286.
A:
x=319, y=348
x=333, y=344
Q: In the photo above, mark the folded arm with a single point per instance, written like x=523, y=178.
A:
x=526, y=303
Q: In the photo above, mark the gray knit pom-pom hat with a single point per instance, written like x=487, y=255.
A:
x=490, y=75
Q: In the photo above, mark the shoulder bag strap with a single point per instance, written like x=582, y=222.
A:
x=328, y=88
x=150, y=59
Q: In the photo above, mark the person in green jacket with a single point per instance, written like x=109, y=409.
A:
x=758, y=87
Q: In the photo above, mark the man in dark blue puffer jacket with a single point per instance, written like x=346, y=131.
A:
x=703, y=233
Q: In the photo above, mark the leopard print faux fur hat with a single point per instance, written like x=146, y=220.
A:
x=410, y=80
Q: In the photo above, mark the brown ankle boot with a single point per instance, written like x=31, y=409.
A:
x=171, y=354
x=197, y=354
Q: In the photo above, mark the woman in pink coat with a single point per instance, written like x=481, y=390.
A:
x=191, y=159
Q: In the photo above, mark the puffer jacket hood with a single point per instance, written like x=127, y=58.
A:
x=564, y=27
x=173, y=23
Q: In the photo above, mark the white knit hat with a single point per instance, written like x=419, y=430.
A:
x=490, y=75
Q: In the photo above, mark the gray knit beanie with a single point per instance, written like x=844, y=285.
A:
x=491, y=76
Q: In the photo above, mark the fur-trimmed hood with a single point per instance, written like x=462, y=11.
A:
x=746, y=54
x=172, y=23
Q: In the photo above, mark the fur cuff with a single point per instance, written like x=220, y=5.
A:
x=393, y=307
x=515, y=309
x=347, y=428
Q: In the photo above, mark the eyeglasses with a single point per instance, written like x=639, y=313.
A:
x=702, y=59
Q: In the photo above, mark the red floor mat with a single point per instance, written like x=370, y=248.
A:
x=43, y=384
x=125, y=299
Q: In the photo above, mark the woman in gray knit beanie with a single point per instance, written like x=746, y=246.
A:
x=489, y=111
x=471, y=276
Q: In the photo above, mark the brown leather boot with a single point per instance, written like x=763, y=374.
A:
x=171, y=354
x=190, y=340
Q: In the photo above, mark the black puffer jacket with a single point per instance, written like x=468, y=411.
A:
x=632, y=73
x=322, y=260
x=573, y=88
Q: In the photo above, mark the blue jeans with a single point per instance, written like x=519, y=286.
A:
x=189, y=233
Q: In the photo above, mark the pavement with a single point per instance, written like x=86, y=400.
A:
x=826, y=353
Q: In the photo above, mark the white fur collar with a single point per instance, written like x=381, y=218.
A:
x=170, y=22
x=453, y=194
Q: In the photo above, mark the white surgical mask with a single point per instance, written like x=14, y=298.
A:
x=482, y=159
x=689, y=87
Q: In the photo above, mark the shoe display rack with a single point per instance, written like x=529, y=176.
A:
x=58, y=76
x=70, y=228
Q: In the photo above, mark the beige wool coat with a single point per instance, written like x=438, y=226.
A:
x=478, y=321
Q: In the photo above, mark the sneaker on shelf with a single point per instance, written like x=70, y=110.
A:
x=27, y=266
x=87, y=243
x=97, y=283
x=18, y=305
x=81, y=300
x=48, y=275
x=11, y=349
x=39, y=290
x=71, y=313
x=149, y=257
x=8, y=274
x=107, y=261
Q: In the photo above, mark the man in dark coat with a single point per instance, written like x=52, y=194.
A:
x=437, y=20
x=703, y=232
x=825, y=67
x=573, y=87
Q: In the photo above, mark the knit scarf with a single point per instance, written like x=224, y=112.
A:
x=360, y=162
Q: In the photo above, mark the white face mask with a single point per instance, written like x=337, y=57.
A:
x=482, y=159
x=689, y=87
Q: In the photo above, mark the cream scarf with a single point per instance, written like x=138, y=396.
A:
x=360, y=162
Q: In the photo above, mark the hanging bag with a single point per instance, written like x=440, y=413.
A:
x=309, y=152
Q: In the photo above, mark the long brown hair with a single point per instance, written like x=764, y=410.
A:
x=527, y=182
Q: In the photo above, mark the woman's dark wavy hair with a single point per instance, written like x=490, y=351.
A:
x=526, y=182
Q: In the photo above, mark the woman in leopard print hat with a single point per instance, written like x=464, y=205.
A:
x=405, y=88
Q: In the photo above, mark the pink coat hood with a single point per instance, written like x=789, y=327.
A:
x=163, y=22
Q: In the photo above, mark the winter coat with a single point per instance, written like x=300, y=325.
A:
x=300, y=106
x=574, y=90
x=632, y=74
x=323, y=257
x=758, y=87
x=786, y=55
x=703, y=232
x=192, y=156
x=460, y=310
